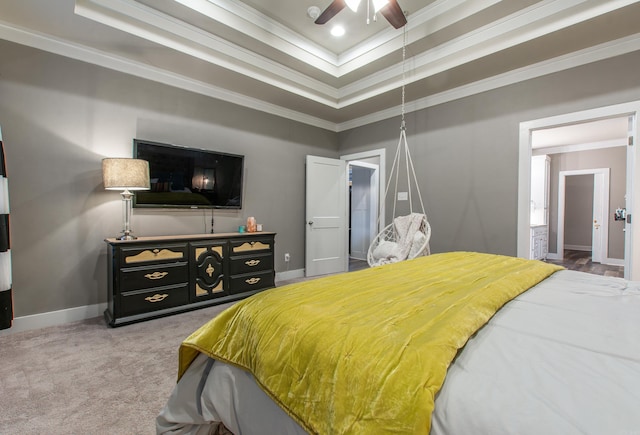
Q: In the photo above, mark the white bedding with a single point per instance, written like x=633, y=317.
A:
x=562, y=358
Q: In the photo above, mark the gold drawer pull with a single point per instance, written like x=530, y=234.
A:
x=252, y=262
x=252, y=281
x=156, y=275
x=156, y=298
x=210, y=270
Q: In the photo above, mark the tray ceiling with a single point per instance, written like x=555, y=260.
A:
x=270, y=56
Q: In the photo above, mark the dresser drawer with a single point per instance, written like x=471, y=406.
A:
x=253, y=245
x=251, y=263
x=140, y=255
x=139, y=302
x=252, y=281
x=133, y=278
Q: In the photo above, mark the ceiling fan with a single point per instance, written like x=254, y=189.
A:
x=390, y=9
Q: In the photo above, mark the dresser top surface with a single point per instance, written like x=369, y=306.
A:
x=115, y=241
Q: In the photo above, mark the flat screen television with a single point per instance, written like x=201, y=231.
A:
x=189, y=178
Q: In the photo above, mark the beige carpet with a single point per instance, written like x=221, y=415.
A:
x=88, y=378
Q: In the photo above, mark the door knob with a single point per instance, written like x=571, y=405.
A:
x=310, y=222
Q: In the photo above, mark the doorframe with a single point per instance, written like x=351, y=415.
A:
x=601, y=185
x=381, y=154
x=632, y=238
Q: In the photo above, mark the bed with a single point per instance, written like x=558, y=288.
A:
x=451, y=343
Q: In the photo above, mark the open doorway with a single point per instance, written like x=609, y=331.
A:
x=594, y=122
x=587, y=182
x=583, y=197
x=366, y=203
x=363, y=207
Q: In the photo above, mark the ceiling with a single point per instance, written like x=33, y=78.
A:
x=270, y=56
x=599, y=133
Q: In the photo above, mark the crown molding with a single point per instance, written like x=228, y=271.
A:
x=135, y=18
x=147, y=23
x=138, y=69
x=64, y=48
x=583, y=57
x=518, y=28
x=427, y=21
x=261, y=28
x=510, y=27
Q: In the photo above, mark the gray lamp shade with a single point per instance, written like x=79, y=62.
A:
x=125, y=174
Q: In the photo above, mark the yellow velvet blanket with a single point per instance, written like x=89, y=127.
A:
x=365, y=352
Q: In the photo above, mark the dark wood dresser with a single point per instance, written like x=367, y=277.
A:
x=157, y=276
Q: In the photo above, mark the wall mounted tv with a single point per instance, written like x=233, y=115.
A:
x=189, y=178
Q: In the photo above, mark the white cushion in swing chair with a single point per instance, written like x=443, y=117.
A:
x=407, y=237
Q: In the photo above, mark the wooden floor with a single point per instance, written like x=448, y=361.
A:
x=581, y=260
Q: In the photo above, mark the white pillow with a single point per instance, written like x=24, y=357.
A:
x=385, y=250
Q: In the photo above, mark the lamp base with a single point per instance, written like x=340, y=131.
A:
x=126, y=238
x=126, y=214
x=126, y=235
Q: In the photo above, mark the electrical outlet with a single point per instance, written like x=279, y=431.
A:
x=287, y=257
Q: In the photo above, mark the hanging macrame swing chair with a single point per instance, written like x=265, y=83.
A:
x=407, y=236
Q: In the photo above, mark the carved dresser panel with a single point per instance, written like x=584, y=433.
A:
x=156, y=276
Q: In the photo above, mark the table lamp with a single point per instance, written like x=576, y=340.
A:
x=126, y=175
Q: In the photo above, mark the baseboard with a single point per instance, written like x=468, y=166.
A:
x=614, y=261
x=578, y=247
x=54, y=318
x=289, y=274
x=553, y=256
x=60, y=317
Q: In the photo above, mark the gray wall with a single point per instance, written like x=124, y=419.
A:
x=60, y=117
x=466, y=151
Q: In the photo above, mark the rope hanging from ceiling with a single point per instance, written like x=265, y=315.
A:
x=406, y=236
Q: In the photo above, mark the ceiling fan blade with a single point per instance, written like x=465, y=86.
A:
x=331, y=11
x=394, y=14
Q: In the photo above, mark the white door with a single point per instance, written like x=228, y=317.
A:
x=326, y=216
x=364, y=206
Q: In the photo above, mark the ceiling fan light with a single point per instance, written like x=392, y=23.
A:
x=337, y=31
x=353, y=4
x=379, y=4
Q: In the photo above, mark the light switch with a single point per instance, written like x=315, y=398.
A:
x=403, y=196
